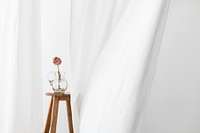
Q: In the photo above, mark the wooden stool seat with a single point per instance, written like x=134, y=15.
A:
x=53, y=111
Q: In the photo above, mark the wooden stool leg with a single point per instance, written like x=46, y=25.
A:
x=69, y=113
x=48, y=122
x=54, y=114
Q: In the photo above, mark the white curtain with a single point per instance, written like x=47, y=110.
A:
x=20, y=67
x=114, y=49
x=113, y=53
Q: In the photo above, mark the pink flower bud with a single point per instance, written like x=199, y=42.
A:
x=57, y=61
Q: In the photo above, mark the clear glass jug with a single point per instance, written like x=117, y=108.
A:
x=57, y=81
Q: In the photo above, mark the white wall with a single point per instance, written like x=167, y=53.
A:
x=174, y=105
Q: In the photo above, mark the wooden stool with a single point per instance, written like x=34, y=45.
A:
x=53, y=112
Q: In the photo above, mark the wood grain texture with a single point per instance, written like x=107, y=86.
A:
x=69, y=115
x=48, y=123
x=53, y=112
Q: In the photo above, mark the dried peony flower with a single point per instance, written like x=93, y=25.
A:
x=57, y=61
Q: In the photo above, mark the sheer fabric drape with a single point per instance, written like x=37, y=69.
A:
x=113, y=52
x=20, y=73
x=114, y=49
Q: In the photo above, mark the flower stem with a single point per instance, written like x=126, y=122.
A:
x=59, y=77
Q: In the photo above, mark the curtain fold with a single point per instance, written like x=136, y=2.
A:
x=114, y=49
x=90, y=29
x=113, y=53
x=20, y=67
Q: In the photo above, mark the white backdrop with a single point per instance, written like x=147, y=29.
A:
x=173, y=106
x=55, y=36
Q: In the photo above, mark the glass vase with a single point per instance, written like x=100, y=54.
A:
x=57, y=81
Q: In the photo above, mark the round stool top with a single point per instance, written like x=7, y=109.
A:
x=57, y=94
